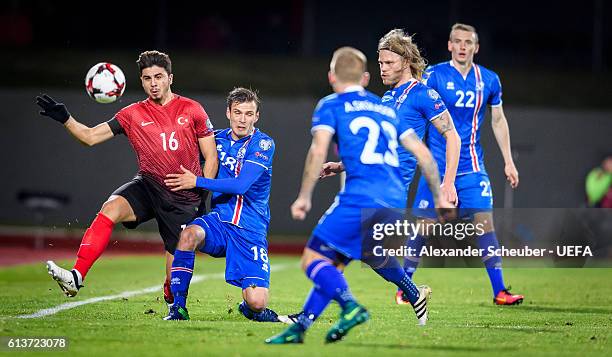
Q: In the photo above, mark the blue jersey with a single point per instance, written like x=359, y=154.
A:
x=416, y=105
x=366, y=132
x=466, y=99
x=250, y=211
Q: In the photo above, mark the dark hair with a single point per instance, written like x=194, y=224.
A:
x=242, y=95
x=154, y=58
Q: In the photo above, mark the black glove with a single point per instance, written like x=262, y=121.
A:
x=51, y=108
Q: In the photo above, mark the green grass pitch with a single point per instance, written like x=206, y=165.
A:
x=567, y=312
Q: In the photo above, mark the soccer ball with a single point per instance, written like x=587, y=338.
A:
x=105, y=82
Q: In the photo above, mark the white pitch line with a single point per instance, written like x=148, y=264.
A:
x=126, y=294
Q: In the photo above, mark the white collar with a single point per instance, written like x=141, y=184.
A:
x=353, y=88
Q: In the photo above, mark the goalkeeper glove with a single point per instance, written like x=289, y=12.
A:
x=51, y=108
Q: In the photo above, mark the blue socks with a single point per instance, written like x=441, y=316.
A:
x=394, y=273
x=313, y=308
x=410, y=265
x=493, y=264
x=180, y=275
x=266, y=315
x=329, y=284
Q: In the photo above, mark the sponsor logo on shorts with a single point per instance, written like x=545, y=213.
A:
x=423, y=204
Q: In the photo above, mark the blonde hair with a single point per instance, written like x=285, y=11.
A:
x=348, y=64
x=463, y=27
x=397, y=41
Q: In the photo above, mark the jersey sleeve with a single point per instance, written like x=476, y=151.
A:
x=261, y=151
x=124, y=117
x=428, y=75
x=323, y=118
x=430, y=104
x=203, y=125
x=403, y=128
x=495, y=98
x=115, y=126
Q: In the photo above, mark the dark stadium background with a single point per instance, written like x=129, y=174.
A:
x=554, y=61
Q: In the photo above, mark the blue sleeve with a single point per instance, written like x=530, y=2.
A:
x=429, y=77
x=323, y=118
x=249, y=173
x=261, y=152
x=431, y=104
x=403, y=129
x=495, y=98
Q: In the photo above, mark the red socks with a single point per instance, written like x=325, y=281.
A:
x=94, y=242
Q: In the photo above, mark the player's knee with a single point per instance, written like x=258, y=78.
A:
x=112, y=210
x=305, y=261
x=257, y=303
x=484, y=222
x=308, y=256
x=191, y=238
x=117, y=209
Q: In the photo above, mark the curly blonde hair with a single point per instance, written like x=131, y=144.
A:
x=399, y=42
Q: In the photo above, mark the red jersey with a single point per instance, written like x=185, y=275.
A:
x=166, y=137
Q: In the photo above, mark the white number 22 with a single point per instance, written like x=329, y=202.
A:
x=470, y=99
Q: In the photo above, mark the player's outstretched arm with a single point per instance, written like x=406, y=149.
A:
x=187, y=180
x=86, y=135
x=209, y=151
x=428, y=166
x=312, y=170
x=502, y=135
x=445, y=126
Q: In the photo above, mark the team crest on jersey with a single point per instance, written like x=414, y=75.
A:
x=182, y=120
x=265, y=144
x=450, y=85
x=433, y=94
x=241, y=153
x=387, y=98
x=479, y=85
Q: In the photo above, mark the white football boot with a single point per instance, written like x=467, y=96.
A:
x=68, y=280
x=288, y=319
x=420, y=306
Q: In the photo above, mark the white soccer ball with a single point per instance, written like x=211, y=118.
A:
x=105, y=82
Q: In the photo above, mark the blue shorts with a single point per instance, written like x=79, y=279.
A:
x=245, y=252
x=318, y=245
x=347, y=228
x=473, y=190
